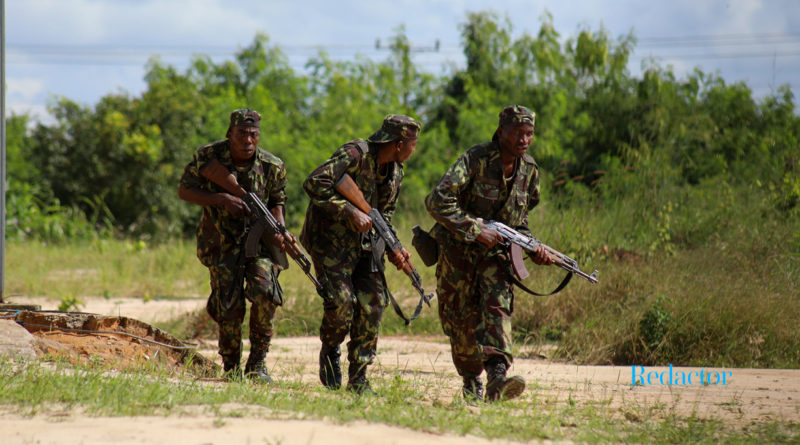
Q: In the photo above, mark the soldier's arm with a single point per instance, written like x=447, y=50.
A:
x=205, y=198
x=320, y=183
x=192, y=188
x=277, y=202
x=442, y=202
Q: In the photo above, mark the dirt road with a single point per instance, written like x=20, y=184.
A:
x=747, y=396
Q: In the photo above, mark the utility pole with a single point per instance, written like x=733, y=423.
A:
x=2, y=149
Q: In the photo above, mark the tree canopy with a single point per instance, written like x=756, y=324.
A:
x=118, y=161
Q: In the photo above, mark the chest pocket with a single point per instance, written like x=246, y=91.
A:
x=256, y=181
x=515, y=210
x=485, y=196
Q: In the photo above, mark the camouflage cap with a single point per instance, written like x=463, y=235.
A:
x=396, y=126
x=245, y=117
x=516, y=114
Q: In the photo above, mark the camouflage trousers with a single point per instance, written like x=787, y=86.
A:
x=260, y=287
x=474, y=293
x=355, y=307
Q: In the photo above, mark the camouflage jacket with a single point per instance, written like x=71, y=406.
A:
x=473, y=187
x=220, y=233
x=327, y=231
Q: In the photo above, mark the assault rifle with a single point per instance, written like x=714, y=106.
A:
x=517, y=242
x=350, y=191
x=215, y=172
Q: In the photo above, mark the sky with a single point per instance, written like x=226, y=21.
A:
x=85, y=49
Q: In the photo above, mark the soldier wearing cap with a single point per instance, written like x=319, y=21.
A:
x=337, y=236
x=220, y=236
x=496, y=180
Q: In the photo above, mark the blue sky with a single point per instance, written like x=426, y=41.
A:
x=84, y=49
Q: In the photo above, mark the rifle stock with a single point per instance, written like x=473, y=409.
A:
x=348, y=188
x=215, y=172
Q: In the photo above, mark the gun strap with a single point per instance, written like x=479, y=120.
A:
x=396, y=306
x=512, y=274
x=558, y=289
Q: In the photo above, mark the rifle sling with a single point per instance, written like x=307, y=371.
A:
x=518, y=283
x=558, y=289
x=396, y=306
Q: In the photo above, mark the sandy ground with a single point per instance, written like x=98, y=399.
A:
x=147, y=311
x=748, y=396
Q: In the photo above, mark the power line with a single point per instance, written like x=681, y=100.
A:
x=750, y=55
x=720, y=37
x=134, y=55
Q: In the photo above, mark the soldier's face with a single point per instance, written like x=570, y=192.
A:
x=405, y=147
x=244, y=141
x=515, y=138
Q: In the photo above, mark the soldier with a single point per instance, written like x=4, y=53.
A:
x=346, y=253
x=220, y=241
x=496, y=180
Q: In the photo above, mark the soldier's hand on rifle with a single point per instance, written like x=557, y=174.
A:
x=541, y=257
x=398, y=257
x=277, y=240
x=234, y=205
x=281, y=241
x=360, y=220
x=288, y=239
x=489, y=237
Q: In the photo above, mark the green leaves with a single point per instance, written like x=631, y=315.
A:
x=126, y=153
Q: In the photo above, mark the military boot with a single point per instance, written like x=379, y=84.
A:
x=255, y=369
x=472, y=389
x=498, y=387
x=357, y=379
x=330, y=370
x=231, y=368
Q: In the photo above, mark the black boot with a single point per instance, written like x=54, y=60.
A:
x=255, y=369
x=472, y=389
x=230, y=367
x=357, y=379
x=330, y=370
x=498, y=387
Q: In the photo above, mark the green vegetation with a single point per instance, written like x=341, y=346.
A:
x=683, y=193
x=114, y=166
x=408, y=401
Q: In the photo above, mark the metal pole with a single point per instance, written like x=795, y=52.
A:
x=2, y=148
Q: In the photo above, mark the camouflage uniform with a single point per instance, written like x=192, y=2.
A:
x=220, y=237
x=352, y=262
x=474, y=289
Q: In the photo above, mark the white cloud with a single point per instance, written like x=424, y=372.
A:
x=25, y=88
x=37, y=111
